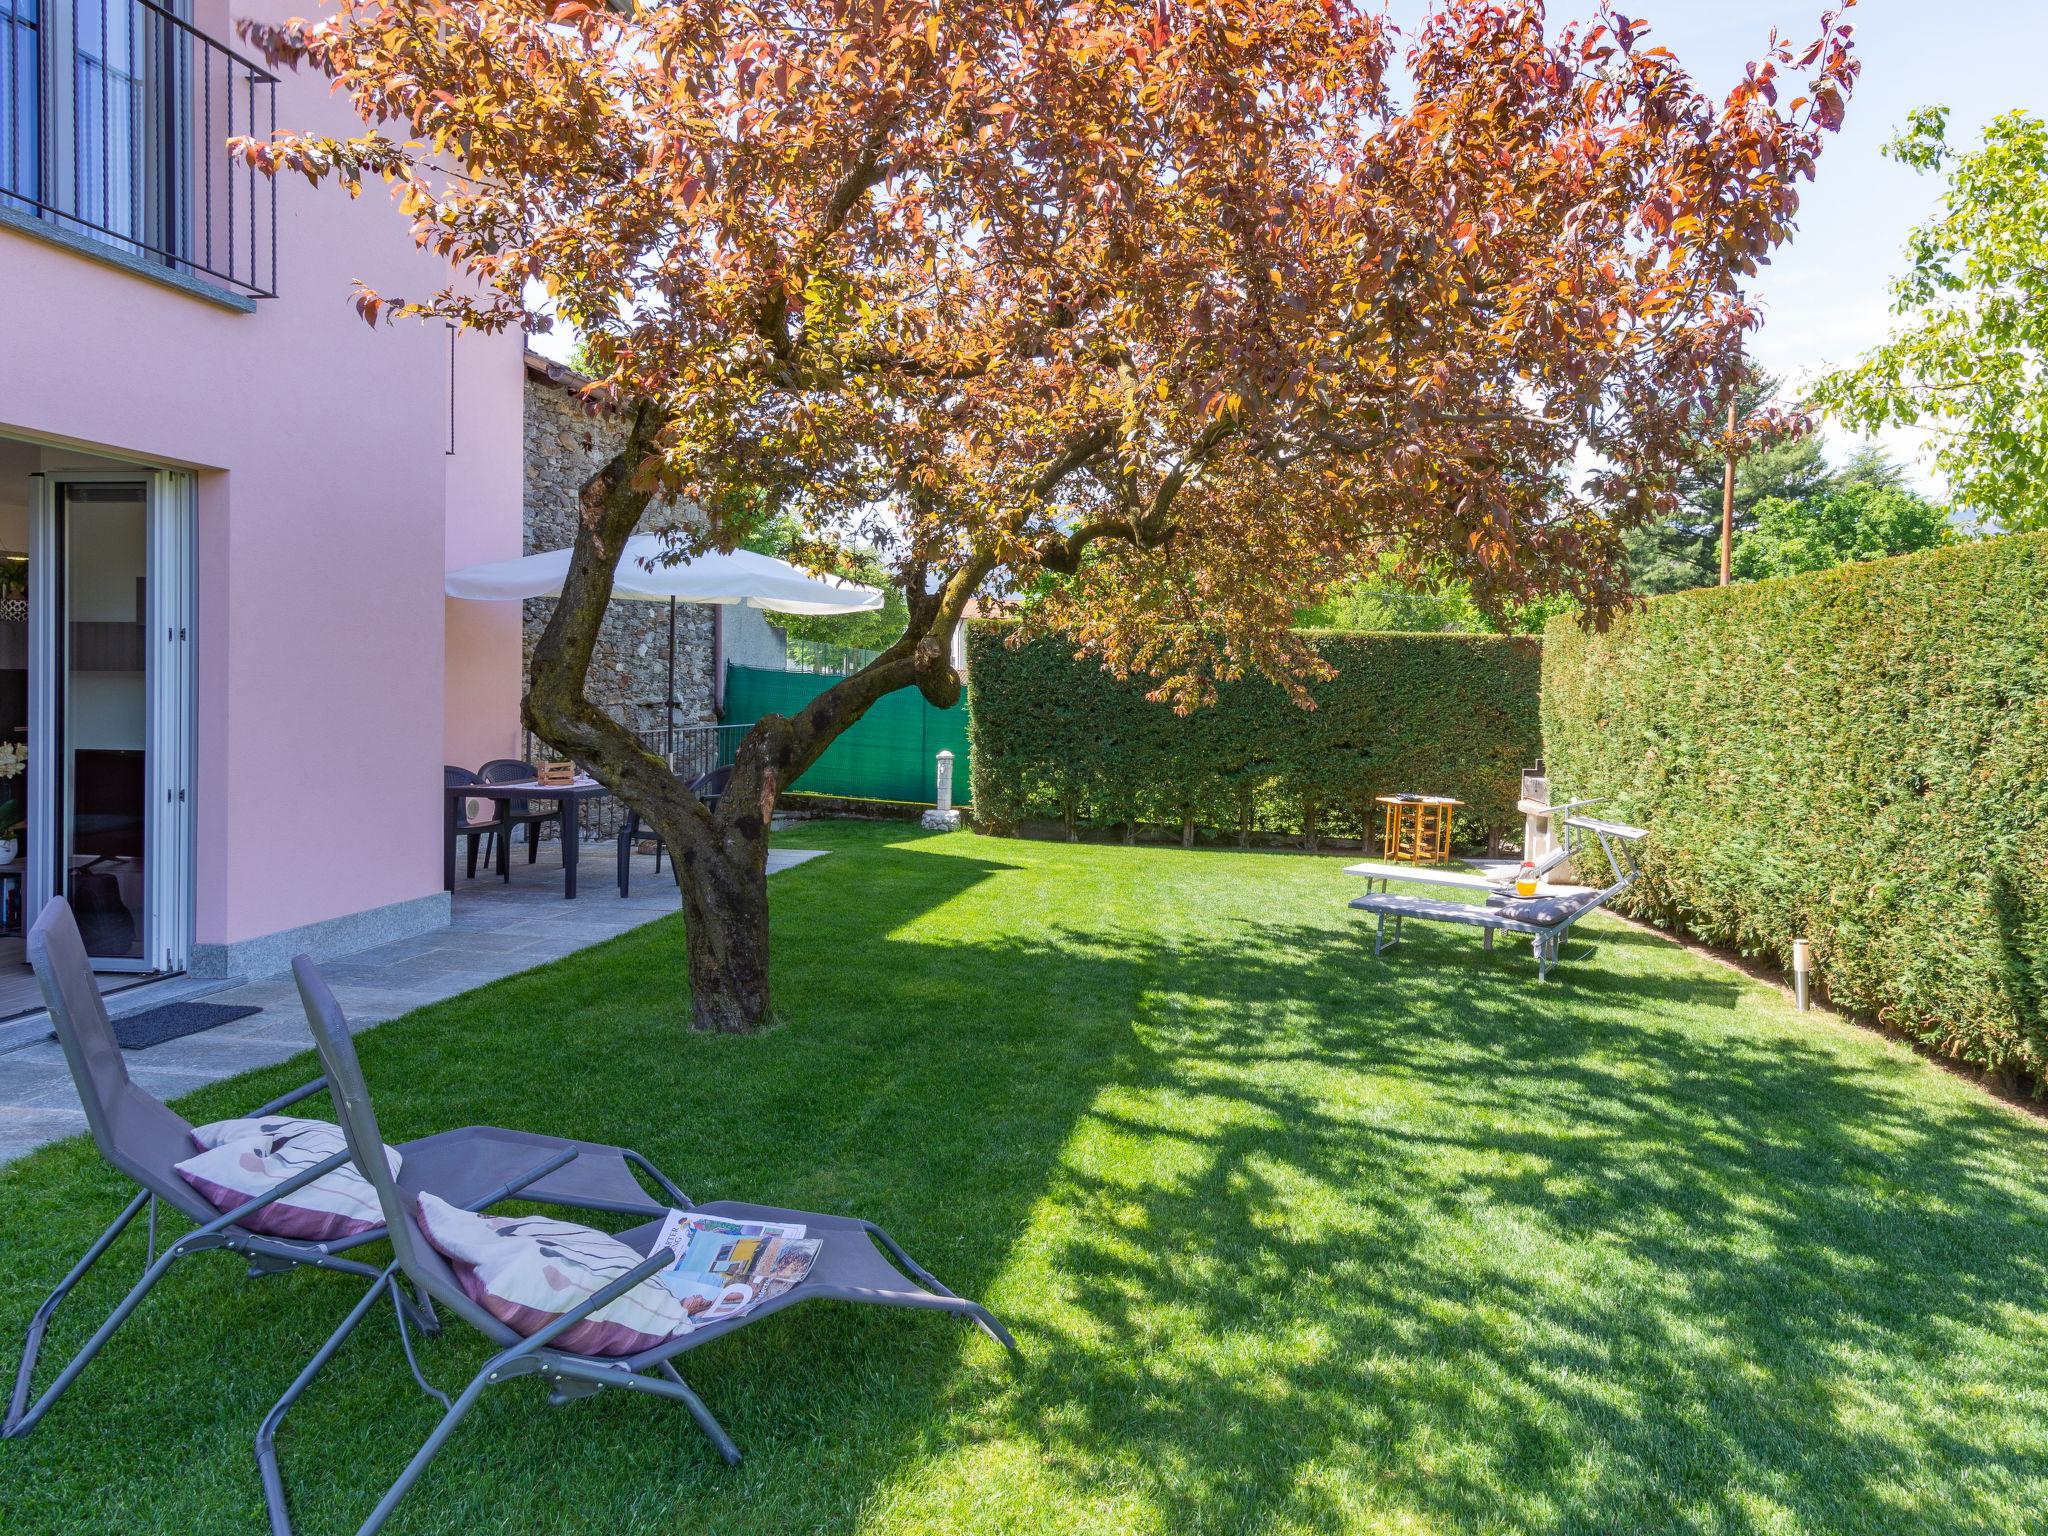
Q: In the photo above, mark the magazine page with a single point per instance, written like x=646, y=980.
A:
x=724, y=1267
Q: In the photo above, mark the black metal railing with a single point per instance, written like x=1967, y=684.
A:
x=822, y=656
x=114, y=122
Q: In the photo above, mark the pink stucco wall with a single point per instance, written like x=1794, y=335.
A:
x=329, y=507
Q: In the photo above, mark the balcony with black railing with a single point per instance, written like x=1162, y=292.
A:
x=114, y=122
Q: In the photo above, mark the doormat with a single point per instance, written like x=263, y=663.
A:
x=173, y=1021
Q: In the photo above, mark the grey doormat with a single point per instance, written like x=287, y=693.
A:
x=173, y=1021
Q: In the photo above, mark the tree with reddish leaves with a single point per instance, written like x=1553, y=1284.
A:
x=1173, y=316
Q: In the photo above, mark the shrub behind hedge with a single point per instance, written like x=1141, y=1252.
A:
x=1059, y=738
x=1859, y=757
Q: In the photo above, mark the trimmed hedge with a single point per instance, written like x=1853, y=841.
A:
x=1858, y=757
x=1058, y=738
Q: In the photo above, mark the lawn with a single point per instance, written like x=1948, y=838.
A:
x=1293, y=1239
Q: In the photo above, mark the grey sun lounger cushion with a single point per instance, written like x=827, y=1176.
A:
x=1542, y=911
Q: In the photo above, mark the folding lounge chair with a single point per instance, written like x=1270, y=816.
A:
x=138, y=1135
x=1546, y=919
x=849, y=1267
x=1372, y=870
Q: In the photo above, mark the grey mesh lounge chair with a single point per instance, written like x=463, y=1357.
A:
x=1545, y=919
x=850, y=1267
x=137, y=1134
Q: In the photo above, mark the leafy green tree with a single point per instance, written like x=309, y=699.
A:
x=1855, y=521
x=1972, y=361
x=1391, y=601
x=1869, y=464
x=781, y=536
x=1683, y=549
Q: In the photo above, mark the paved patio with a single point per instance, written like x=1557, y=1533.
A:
x=498, y=930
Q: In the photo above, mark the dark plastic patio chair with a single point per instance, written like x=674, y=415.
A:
x=137, y=1134
x=520, y=812
x=850, y=1267
x=707, y=787
x=486, y=832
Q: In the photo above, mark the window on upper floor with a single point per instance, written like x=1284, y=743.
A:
x=114, y=121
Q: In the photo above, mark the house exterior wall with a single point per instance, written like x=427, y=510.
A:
x=329, y=505
x=753, y=639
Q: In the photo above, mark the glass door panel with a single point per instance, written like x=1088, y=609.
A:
x=102, y=716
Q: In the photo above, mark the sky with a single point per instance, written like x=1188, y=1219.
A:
x=1826, y=295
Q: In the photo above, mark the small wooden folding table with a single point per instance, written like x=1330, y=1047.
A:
x=1417, y=828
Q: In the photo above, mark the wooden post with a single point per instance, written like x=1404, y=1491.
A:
x=1728, y=499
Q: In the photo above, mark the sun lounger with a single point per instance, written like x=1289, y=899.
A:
x=145, y=1140
x=857, y=1262
x=1372, y=870
x=1545, y=918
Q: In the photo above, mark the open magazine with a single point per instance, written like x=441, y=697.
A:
x=724, y=1268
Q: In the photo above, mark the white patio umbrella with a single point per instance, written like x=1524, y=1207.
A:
x=740, y=578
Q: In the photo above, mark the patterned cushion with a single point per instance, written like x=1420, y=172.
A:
x=526, y=1271
x=242, y=1159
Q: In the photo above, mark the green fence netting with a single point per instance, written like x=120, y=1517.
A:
x=890, y=753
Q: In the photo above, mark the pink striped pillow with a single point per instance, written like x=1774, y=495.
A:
x=526, y=1271
x=250, y=1157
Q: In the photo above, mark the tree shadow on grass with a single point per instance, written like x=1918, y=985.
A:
x=1293, y=1238
x=1546, y=1260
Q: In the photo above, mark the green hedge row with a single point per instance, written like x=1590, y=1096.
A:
x=1056, y=738
x=1858, y=757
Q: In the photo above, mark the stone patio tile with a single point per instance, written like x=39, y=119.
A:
x=24, y=1082
x=23, y=1130
x=214, y=1055
x=59, y=1095
x=42, y=1053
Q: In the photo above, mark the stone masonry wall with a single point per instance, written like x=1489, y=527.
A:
x=565, y=443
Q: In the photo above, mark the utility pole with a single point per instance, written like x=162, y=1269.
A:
x=1728, y=498
x=1728, y=468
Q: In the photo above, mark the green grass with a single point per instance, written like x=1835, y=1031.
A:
x=1293, y=1239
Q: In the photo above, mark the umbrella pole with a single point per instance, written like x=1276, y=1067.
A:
x=669, y=704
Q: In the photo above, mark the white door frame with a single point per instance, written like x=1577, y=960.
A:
x=169, y=513
x=173, y=706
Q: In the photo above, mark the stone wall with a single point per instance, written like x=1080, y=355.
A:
x=566, y=441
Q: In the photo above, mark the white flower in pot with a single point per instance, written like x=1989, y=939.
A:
x=13, y=763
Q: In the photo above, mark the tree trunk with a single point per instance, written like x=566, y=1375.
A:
x=1308, y=826
x=721, y=858
x=1187, y=831
x=725, y=926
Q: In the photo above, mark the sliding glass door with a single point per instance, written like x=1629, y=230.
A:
x=109, y=708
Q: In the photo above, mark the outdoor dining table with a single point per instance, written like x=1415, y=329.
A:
x=570, y=796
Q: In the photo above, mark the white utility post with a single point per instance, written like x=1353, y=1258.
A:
x=1538, y=836
x=942, y=817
